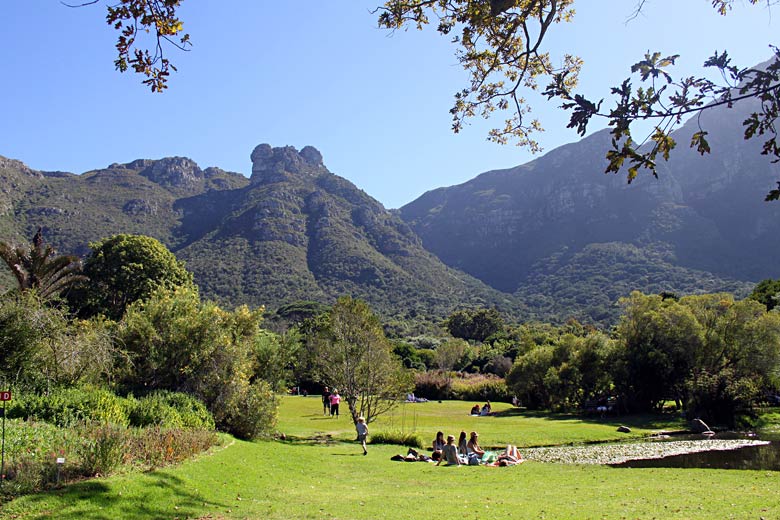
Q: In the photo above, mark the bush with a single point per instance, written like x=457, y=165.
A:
x=66, y=406
x=432, y=385
x=480, y=388
x=170, y=410
x=247, y=411
x=32, y=449
x=155, y=446
x=398, y=437
x=102, y=448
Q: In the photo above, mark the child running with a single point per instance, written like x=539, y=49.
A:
x=362, y=433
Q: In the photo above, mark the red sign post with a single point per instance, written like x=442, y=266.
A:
x=5, y=395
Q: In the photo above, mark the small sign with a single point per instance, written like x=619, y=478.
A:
x=5, y=396
x=60, y=460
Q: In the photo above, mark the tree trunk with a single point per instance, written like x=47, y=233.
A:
x=352, y=403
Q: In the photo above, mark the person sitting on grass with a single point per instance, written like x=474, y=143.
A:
x=450, y=452
x=463, y=449
x=473, y=445
x=474, y=410
x=438, y=445
x=487, y=409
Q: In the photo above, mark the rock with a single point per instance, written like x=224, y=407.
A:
x=624, y=429
x=138, y=207
x=282, y=163
x=699, y=426
x=180, y=172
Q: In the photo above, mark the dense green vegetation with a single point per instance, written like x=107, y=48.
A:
x=123, y=269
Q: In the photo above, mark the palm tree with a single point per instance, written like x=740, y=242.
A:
x=37, y=266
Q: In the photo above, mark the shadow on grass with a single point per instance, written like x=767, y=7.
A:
x=167, y=497
x=317, y=439
x=645, y=421
x=358, y=454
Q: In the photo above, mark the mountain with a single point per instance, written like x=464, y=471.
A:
x=569, y=240
x=292, y=231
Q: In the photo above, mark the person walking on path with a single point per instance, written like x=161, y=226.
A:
x=362, y=433
x=325, y=401
x=335, y=399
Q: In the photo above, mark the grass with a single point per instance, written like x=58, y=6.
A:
x=306, y=479
x=301, y=417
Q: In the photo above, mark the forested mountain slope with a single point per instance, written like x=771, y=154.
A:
x=293, y=231
x=570, y=240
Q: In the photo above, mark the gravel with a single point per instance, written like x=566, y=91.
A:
x=619, y=453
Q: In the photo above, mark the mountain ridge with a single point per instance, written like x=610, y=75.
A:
x=706, y=215
x=291, y=231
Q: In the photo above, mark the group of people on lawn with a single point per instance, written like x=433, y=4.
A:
x=469, y=452
x=466, y=452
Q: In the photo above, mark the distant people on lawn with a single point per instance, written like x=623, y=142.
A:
x=362, y=432
x=411, y=398
x=335, y=399
x=325, y=401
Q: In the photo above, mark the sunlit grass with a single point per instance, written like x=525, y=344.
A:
x=306, y=478
x=301, y=417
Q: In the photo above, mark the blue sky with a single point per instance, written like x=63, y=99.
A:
x=313, y=72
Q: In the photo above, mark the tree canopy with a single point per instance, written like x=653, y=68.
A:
x=38, y=267
x=355, y=358
x=125, y=268
x=767, y=292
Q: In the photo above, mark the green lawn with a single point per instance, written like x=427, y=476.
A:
x=302, y=417
x=307, y=479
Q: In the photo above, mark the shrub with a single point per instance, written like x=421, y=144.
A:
x=398, y=437
x=32, y=449
x=102, y=448
x=155, y=446
x=170, y=410
x=432, y=385
x=65, y=406
x=246, y=411
x=480, y=388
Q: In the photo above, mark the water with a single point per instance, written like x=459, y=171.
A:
x=762, y=457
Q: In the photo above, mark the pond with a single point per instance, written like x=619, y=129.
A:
x=724, y=451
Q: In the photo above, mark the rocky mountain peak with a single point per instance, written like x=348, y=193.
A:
x=180, y=172
x=282, y=163
x=13, y=164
